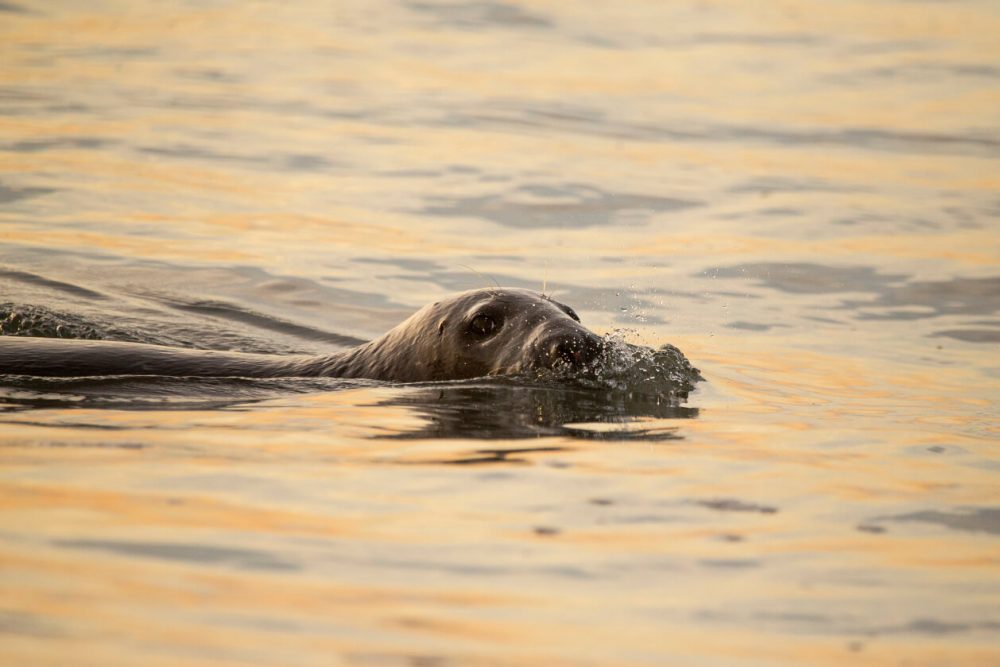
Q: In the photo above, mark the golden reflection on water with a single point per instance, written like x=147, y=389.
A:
x=69, y=483
x=777, y=528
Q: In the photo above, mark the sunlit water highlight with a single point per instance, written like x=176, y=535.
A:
x=802, y=196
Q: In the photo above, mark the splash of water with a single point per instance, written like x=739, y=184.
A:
x=39, y=321
x=627, y=368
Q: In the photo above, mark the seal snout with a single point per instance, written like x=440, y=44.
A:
x=575, y=349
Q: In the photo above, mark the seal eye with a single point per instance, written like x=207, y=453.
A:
x=482, y=325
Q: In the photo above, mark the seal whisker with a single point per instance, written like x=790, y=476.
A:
x=484, y=277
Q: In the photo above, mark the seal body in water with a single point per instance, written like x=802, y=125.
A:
x=473, y=334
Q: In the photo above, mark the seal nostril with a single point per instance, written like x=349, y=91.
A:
x=575, y=351
x=565, y=351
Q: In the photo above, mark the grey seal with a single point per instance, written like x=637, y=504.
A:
x=482, y=332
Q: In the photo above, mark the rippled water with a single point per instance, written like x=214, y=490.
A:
x=802, y=196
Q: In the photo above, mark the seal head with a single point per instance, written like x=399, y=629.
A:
x=473, y=334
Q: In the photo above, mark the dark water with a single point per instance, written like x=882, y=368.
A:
x=802, y=196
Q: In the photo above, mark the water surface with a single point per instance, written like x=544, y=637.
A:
x=802, y=196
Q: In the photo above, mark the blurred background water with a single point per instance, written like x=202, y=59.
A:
x=801, y=195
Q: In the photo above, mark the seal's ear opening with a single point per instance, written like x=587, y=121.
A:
x=566, y=309
x=441, y=327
